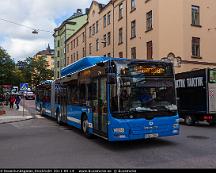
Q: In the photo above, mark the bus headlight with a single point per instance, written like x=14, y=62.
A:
x=175, y=126
x=119, y=130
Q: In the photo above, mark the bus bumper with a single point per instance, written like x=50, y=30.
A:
x=134, y=129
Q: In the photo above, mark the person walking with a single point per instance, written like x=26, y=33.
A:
x=12, y=99
x=17, y=102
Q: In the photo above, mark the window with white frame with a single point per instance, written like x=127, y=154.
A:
x=121, y=11
x=149, y=21
x=133, y=5
x=195, y=47
x=195, y=15
x=133, y=29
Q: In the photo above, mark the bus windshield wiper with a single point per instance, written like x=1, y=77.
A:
x=142, y=109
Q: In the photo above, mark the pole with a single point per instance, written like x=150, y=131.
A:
x=23, y=104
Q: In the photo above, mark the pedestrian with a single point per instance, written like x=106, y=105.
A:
x=12, y=99
x=17, y=102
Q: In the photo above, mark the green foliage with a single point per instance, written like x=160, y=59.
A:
x=33, y=72
x=40, y=71
x=7, y=68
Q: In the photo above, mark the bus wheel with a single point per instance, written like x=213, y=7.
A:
x=59, y=118
x=189, y=120
x=84, y=126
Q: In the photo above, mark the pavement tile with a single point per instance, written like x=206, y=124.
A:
x=14, y=115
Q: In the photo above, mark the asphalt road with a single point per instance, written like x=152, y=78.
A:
x=41, y=143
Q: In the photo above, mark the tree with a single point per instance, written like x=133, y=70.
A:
x=7, y=68
x=40, y=72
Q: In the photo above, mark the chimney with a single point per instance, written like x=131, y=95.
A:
x=86, y=10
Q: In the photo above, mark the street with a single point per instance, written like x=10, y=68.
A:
x=42, y=143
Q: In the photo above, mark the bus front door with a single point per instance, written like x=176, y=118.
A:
x=63, y=103
x=100, y=115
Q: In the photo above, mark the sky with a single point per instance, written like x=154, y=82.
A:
x=45, y=15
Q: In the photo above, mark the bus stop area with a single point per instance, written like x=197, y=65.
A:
x=8, y=115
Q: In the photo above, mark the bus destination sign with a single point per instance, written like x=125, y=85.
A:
x=152, y=70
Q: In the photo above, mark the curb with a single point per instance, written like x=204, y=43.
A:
x=5, y=121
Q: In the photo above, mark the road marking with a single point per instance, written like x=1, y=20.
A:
x=38, y=116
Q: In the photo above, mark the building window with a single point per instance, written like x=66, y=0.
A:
x=133, y=53
x=149, y=50
x=97, y=44
x=133, y=5
x=77, y=41
x=195, y=15
x=93, y=29
x=149, y=21
x=104, y=40
x=108, y=38
x=121, y=11
x=67, y=60
x=71, y=45
x=58, y=43
x=67, y=48
x=74, y=43
x=58, y=74
x=96, y=29
x=58, y=53
x=133, y=29
x=90, y=48
x=83, y=37
x=58, y=64
x=74, y=56
x=90, y=31
x=71, y=58
x=83, y=52
x=120, y=36
x=104, y=21
x=120, y=54
x=108, y=18
x=109, y=54
x=77, y=54
x=195, y=47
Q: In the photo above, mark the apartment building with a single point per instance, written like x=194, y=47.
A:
x=48, y=55
x=61, y=34
x=182, y=31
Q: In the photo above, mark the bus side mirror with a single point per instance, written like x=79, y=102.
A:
x=101, y=64
x=111, y=78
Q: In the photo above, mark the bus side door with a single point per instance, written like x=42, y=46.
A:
x=100, y=115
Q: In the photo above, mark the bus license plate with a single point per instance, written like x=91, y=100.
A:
x=153, y=135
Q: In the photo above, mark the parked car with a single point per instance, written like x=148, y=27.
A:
x=29, y=95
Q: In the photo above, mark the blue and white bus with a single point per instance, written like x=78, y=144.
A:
x=114, y=98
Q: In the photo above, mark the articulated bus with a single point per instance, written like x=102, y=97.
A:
x=114, y=98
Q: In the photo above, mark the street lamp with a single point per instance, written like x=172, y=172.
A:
x=35, y=31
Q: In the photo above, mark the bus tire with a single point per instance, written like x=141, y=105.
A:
x=84, y=126
x=59, y=118
x=189, y=120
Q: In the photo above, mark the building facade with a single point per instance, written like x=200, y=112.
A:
x=182, y=31
x=61, y=34
x=48, y=55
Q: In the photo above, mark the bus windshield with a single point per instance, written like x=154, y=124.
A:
x=143, y=90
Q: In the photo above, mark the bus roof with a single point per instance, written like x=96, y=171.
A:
x=84, y=63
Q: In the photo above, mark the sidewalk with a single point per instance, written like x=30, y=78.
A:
x=13, y=115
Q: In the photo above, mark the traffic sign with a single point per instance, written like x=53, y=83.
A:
x=23, y=86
